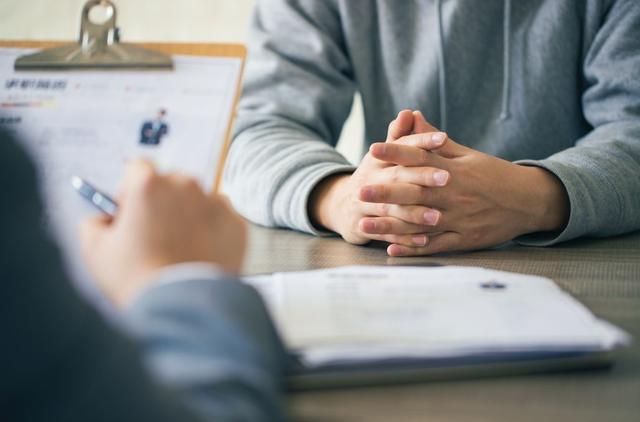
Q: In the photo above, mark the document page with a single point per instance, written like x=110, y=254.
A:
x=89, y=123
x=356, y=313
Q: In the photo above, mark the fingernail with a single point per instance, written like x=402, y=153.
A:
x=440, y=177
x=395, y=250
x=431, y=217
x=419, y=239
x=438, y=138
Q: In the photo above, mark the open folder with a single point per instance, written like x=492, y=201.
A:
x=358, y=325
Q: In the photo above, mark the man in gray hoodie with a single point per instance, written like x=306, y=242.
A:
x=542, y=98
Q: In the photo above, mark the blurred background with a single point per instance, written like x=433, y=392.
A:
x=153, y=20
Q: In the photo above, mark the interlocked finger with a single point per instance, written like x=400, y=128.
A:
x=388, y=225
x=423, y=176
x=404, y=194
x=416, y=214
x=443, y=242
x=401, y=126
x=406, y=155
x=409, y=240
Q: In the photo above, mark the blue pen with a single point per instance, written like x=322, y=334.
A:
x=100, y=200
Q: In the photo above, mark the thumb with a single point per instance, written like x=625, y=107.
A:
x=421, y=125
x=402, y=126
x=449, y=149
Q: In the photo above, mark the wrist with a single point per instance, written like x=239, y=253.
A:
x=125, y=283
x=549, y=202
x=177, y=274
x=323, y=200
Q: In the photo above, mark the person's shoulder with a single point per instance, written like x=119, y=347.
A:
x=18, y=184
x=14, y=161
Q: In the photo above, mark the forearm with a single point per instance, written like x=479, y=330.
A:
x=601, y=180
x=600, y=174
x=272, y=171
x=297, y=94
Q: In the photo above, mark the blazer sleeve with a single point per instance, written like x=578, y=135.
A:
x=60, y=361
x=212, y=339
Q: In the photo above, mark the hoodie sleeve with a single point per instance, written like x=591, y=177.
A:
x=284, y=146
x=602, y=172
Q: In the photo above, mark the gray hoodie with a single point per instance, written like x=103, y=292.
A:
x=549, y=83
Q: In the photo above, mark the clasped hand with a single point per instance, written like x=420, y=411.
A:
x=424, y=194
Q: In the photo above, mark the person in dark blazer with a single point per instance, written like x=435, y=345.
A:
x=203, y=346
x=153, y=131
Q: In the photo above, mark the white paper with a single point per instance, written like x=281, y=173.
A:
x=89, y=123
x=356, y=313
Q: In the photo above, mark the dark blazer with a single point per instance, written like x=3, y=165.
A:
x=210, y=341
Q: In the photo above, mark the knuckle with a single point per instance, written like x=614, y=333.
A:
x=476, y=236
x=424, y=195
x=383, y=193
x=462, y=171
x=396, y=173
x=465, y=200
x=417, y=215
x=427, y=176
x=385, y=209
x=384, y=226
x=424, y=140
x=424, y=156
x=360, y=225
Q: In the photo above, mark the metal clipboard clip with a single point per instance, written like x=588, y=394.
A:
x=99, y=47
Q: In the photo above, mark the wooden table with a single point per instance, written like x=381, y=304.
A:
x=603, y=274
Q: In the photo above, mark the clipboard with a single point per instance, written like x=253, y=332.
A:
x=99, y=48
x=43, y=117
x=189, y=49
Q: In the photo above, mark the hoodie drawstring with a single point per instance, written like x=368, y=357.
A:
x=442, y=74
x=506, y=64
x=506, y=61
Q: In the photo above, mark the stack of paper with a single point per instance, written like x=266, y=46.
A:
x=365, y=315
